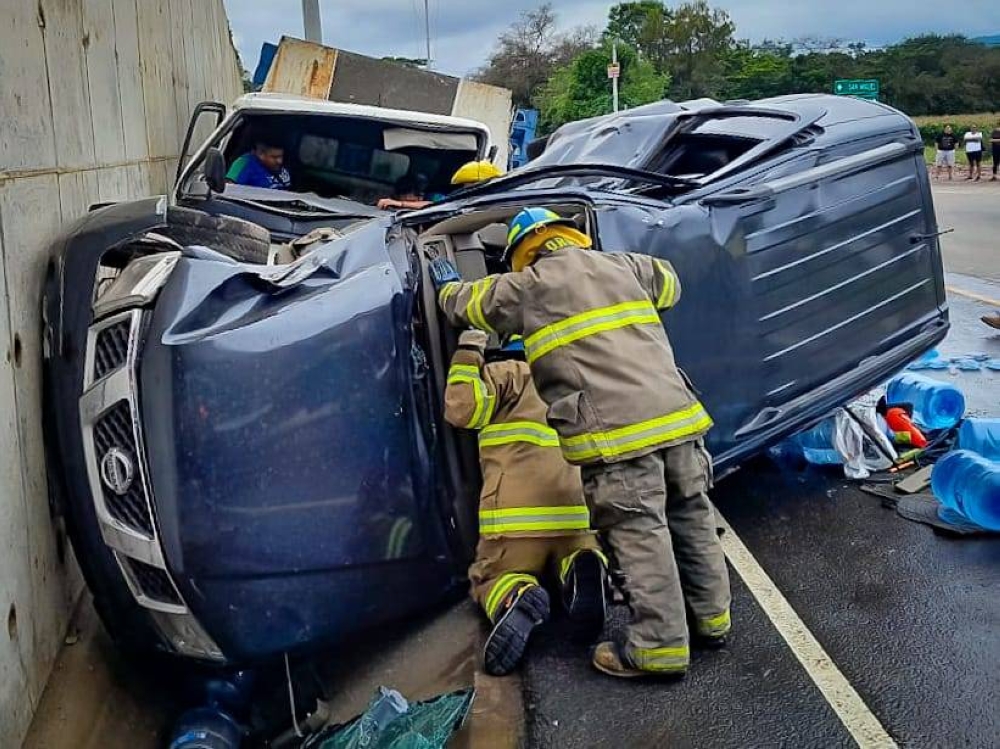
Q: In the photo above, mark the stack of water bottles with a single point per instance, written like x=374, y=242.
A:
x=967, y=480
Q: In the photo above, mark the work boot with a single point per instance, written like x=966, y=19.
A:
x=523, y=610
x=608, y=659
x=708, y=635
x=584, y=593
x=992, y=320
x=708, y=642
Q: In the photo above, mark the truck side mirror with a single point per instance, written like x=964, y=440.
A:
x=493, y=153
x=215, y=170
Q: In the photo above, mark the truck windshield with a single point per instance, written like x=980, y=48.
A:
x=346, y=157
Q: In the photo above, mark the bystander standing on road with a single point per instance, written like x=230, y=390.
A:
x=995, y=143
x=945, y=153
x=974, y=152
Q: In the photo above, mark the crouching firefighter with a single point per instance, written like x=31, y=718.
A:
x=602, y=362
x=532, y=516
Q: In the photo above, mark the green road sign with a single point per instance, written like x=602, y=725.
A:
x=866, y=88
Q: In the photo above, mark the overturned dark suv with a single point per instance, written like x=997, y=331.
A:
x=244, y=388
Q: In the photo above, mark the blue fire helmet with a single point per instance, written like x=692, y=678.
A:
x=526, y=221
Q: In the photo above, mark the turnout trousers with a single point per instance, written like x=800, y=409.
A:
x=659, y=525
x=506, y=563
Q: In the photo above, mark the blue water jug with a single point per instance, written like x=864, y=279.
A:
x=206, y=728
x=817, y=444
x=936, y=405
x=969, y=484
x=981, y=436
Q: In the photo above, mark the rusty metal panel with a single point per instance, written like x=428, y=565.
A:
x=302, y=68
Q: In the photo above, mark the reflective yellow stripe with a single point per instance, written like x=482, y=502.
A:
x=474, y=309
x=566, y=562
x=447, y=291
x=589, y=323
x=512, y=233
x=518, y=431
x=661, y=659
x=463, y=369
x=691, y=420
x=715, y=626
x=397, y=537
x=666, y=298
x=502, y=587
x=485, y=404
x=510, y=512
x=527, y=519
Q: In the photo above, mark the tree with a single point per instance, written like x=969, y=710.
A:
x=757, y=72
x=698, y=39
x=530, y=50
x=689, y=42
x=581, y=89
x=626, y=22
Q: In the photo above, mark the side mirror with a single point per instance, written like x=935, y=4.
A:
x=493, y=153
x=215, y=170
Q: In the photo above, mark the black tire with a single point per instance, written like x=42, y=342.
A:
x=233, y=237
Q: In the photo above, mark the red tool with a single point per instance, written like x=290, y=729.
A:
x=898, y=417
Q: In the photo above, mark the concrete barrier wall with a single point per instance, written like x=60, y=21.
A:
x=94, y=101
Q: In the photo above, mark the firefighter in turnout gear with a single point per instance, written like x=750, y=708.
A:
x=532, y=516
x=624, y=412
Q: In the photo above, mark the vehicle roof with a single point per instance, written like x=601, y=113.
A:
x=628, y=138
x=271, y=102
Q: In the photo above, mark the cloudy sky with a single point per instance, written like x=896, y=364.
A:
x=463, y=31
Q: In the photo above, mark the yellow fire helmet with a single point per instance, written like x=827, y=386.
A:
x=549, y=237
x=475, y=171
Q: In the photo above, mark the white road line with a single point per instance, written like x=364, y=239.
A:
x=856, y=716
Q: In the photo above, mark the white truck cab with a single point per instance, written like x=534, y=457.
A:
x=331, y=150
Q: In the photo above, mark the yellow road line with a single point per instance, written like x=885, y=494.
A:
x=972, y=295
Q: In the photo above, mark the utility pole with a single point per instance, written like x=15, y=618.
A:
x=311, y=21
x=427, y=31
x=614, y=78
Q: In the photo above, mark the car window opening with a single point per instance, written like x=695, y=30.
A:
x=357, y=159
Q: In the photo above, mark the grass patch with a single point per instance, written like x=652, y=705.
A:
x=986, y=120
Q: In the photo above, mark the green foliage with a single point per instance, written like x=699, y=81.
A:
x=627, y=21
x=755, y=73
x=581, y=89
x=690, y=50
x=689, y=42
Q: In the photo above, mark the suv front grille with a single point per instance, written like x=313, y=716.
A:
x=114, y=430
x=153, y=582
x=111, y=348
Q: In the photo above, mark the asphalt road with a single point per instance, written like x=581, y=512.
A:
x=973, y=211
x=908, y=619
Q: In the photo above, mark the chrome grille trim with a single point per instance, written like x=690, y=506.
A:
x=130, y=545
x=91, y=365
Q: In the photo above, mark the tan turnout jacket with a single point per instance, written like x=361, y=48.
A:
x=598, y=352
x=528, y=489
